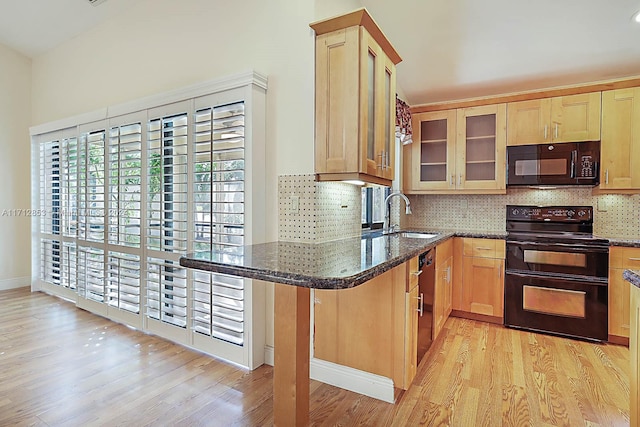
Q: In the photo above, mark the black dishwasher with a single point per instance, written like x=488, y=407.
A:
x=426, y=283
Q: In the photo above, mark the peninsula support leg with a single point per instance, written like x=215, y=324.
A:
x=291, y=359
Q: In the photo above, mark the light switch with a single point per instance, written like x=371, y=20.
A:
x=295, y=204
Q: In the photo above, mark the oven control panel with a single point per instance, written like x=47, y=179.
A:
x=550, y=213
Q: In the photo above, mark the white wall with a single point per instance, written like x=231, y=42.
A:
x=161, y=45
x=15, y=111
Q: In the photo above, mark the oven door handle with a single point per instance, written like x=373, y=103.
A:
x=574, y=159
x=561, y=245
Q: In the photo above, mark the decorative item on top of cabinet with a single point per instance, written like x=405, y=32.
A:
x=620, y=146
x=620, y=259
x=483, y=280
x=571, y=118
x=457, y=151
x=355, y=100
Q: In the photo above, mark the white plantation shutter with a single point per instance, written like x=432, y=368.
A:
x=167, y=219
x=127, y=195
x=125, y=184
x=50, y=187
x=167, y=184
x=219, y=207
x=91, y=174
x=69, y=186
x=167, y=291
x=123, y=281
x=50, y=261
x=91, y=279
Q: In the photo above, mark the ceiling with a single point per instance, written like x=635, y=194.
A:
x=451, y=49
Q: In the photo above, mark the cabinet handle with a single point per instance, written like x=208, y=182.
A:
x=634, y=259
x=481, y=248
x=459, y=179
x=556, y=131
x=421, y=307
x=606, y=176
x=448, y=274
x=545, y=131
x=451, y=182
x=381, y=156
x=416, y=273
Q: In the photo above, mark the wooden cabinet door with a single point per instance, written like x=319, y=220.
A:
x=433, y=151
x=620, y=146
x=576, y=117
x=456, y=288
x=448, y=294
x=438, y=303
x=634, y=356
x=620, y=258
x=481, y=147
x=618, y=304
x=377, y=109
x=411, y=336
x=483, y=286
x=337, y=104
x=528, y=122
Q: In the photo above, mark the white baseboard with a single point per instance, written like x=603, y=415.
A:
x=16, y=282
x=268, y=355
x=351, y=379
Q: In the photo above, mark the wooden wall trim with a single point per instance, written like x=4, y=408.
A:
x=527, y=95
x=358, y=17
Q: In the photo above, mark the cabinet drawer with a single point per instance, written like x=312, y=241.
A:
x=625, y=258
x=484, y=248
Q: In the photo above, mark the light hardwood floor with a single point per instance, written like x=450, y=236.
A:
x=61, y=366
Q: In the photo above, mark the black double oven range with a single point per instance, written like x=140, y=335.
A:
x=556, y=272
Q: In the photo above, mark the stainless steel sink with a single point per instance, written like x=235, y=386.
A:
x=415, y=235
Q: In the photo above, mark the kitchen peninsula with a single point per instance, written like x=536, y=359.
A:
x=296, y=268
x=633, y=277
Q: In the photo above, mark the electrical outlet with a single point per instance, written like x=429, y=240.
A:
x=295, y=204
x=603, y=204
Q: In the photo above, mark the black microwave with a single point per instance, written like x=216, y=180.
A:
x=569, y=163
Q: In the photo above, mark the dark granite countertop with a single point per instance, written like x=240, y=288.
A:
x=630, y=243
x=339, y=264
x=632, y=276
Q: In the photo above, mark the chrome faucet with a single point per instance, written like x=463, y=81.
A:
x=387, y=213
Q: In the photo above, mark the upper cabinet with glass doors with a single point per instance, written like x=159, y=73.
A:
x=355, y=100
x=457, y=151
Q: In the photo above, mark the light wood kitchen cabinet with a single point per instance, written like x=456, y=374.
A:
x=443, y=286
x=634, y=356
x=559, y=119
x=620, y=144
x=355, y=100
x=457, y=151
x=372, y=327
x=412, y=301
x=483, y=277
x=620, y=259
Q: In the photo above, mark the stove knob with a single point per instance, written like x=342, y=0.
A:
x=515, y=212
x=582, y=213
x=570, y=213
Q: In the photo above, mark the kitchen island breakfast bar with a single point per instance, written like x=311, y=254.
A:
x=295, y=268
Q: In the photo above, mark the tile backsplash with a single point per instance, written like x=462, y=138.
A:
x=326, y=210
x=332, y=210
x=615, y=215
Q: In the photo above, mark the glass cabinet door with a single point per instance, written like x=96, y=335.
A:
x=433, y=151
x=481, y=147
